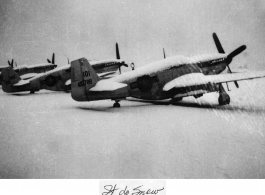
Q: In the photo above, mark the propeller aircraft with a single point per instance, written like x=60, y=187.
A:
x=58, y=79
x=29, y=71
x=171, y=78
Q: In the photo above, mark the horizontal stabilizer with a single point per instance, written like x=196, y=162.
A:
x=201, y=79
x=106, y=85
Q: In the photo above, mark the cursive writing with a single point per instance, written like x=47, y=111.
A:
x=142, y=192
x=110, y=190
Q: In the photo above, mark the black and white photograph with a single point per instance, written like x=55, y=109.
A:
x=132, y=89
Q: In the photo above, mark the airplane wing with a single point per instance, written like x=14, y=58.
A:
x=106, y=85
x=28, y=76
x=22, y=82
x=107, y=74
x=193, y=79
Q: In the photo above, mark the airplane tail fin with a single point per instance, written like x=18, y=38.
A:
x=83, y=78
x=9, y=78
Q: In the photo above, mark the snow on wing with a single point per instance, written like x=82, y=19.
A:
x=201, y=79
x=107, y=74
x=106, y=85
x=22, y=82
x=28, y=76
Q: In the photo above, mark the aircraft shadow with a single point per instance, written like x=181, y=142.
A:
x=37, y=94
x=110, y=109
x=232, y=108
x=235, y=108
x=169, y=102
x=96, y=109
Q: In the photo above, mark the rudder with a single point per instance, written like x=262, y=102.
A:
x=83, y=78
x=9, y=78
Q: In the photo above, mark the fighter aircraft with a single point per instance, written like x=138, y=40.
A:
x=29, y=71
x=58, y=79
x=173, y=77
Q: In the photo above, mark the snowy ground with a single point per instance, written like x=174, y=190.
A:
x=49, y=135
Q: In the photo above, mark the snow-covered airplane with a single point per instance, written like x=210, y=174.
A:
x=29, y=71
x=173, y=77
x=58, y=79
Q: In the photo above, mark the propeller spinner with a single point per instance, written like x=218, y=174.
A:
x=231, y=55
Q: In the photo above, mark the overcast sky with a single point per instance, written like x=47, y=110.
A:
x=31, y=30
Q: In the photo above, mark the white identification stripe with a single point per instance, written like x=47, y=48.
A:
x=106, y=85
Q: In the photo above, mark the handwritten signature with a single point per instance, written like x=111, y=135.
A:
x=110, y=189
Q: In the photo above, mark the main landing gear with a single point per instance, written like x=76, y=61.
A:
x=116, y=104
x=31, y=92
x=223, y=96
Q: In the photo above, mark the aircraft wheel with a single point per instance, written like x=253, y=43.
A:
x=223, y=99
x=116, y=105
x=32, y=92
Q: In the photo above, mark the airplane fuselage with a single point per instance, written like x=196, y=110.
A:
x=106, y=65
x=27, y=69
x=39, y=68
x=56, y=79
x=148, y=81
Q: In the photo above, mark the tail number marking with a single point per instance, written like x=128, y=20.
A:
x=86, y=73
x=84, y=82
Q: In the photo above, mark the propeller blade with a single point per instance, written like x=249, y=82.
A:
x=236, y=52
x=49, y=61
x=218, y=44
x=126, y=65
x=164, y=53
x=53, y=58
x=9, y=63
x=12, y=63
x=68, y=60
x=229, y=71
x=227, y=87
x=117, y=51
x=237, y=86
x=230, y=56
